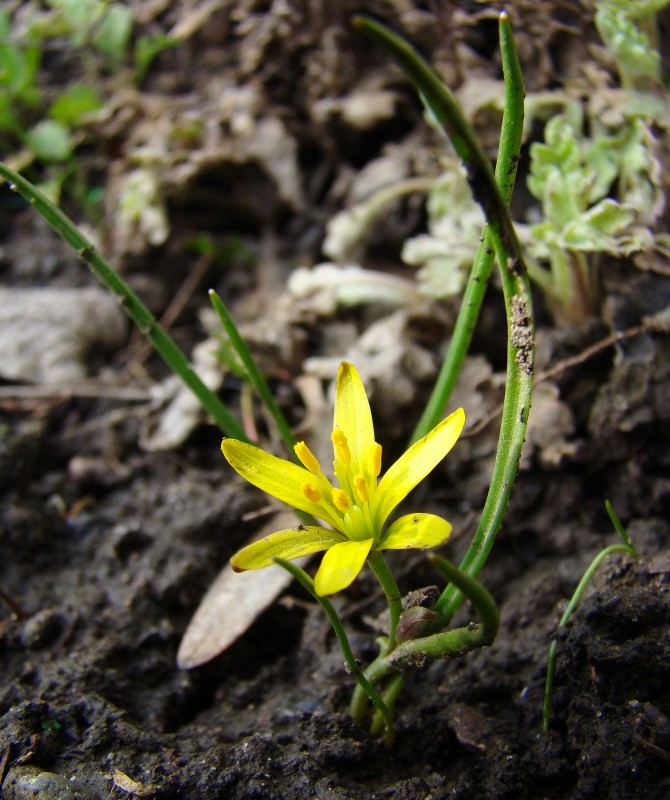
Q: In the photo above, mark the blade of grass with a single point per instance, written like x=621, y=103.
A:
x=475, y=290
x=255, y=376
x=308, y=584
x=515, y=283
x=516, y=290
x=618, y=526
x=572, y=605
x=129, y=301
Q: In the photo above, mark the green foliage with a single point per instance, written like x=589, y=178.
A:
x=231, y=250
x=573, y=175
x=100, y=33
x=74, y=104
x=77, y=18
x=49, y=141
x=628, y=30
x=626, y=547
x=18, y=65
x=598, y=194
x=146, y=50
x=113, y=33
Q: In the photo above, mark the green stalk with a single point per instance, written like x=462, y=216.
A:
x=457, y=642
x=626, y=547
x=505, y=174
x=391, y=693
x=129, y=301
x=515, y=283
x=254, y=375
x=574, y=601
x=374, y=672
x=378, y=565
x=308, y=584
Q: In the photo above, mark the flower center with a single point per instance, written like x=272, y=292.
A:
x=349, y=508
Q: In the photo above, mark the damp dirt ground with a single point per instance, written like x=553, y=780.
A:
x=108, y=546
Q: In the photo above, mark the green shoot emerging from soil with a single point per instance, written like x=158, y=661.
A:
x=625, y=547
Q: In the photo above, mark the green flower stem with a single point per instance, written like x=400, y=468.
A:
x=378, y=565
x=255, y=376
x=390, y=696
x=308, y=584
x=505, y=174
x=626, y=547
x=374, y=672
x=130, y=302
x=391, y=661
x=516, y=290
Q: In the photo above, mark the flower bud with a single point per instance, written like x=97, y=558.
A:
x=414, y=623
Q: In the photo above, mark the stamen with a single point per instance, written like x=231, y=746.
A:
x=311, y=492
x=375, y=458
x=307, y=459
x=341, y=446
x=341, y=500
x=362, y=488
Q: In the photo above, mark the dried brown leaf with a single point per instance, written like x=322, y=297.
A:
x=232, y=603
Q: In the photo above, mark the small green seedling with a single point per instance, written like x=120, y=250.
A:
x=625, y=547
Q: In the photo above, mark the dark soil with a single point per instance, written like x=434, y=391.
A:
x=107, y=548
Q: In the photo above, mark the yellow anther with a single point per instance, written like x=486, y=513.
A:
x=362, y=488
x=341, y=446
x=307, y=458
x=375, y=458
x=341, y=500
x=311, y=492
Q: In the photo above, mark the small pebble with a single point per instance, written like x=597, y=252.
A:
x=43, y=628
x=30, y=783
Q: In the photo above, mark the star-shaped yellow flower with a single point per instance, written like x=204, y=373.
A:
x=359, y=508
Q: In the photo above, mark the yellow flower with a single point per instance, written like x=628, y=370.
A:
x=359, y=508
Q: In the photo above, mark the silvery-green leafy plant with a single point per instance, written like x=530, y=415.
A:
x=628, y=29
x=571, y=175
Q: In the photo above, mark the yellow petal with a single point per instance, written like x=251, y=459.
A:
x=340, y=566
x=276, y=476
x=288, y=544
x=413, y=465
x=416, y=530
x=353, y=416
